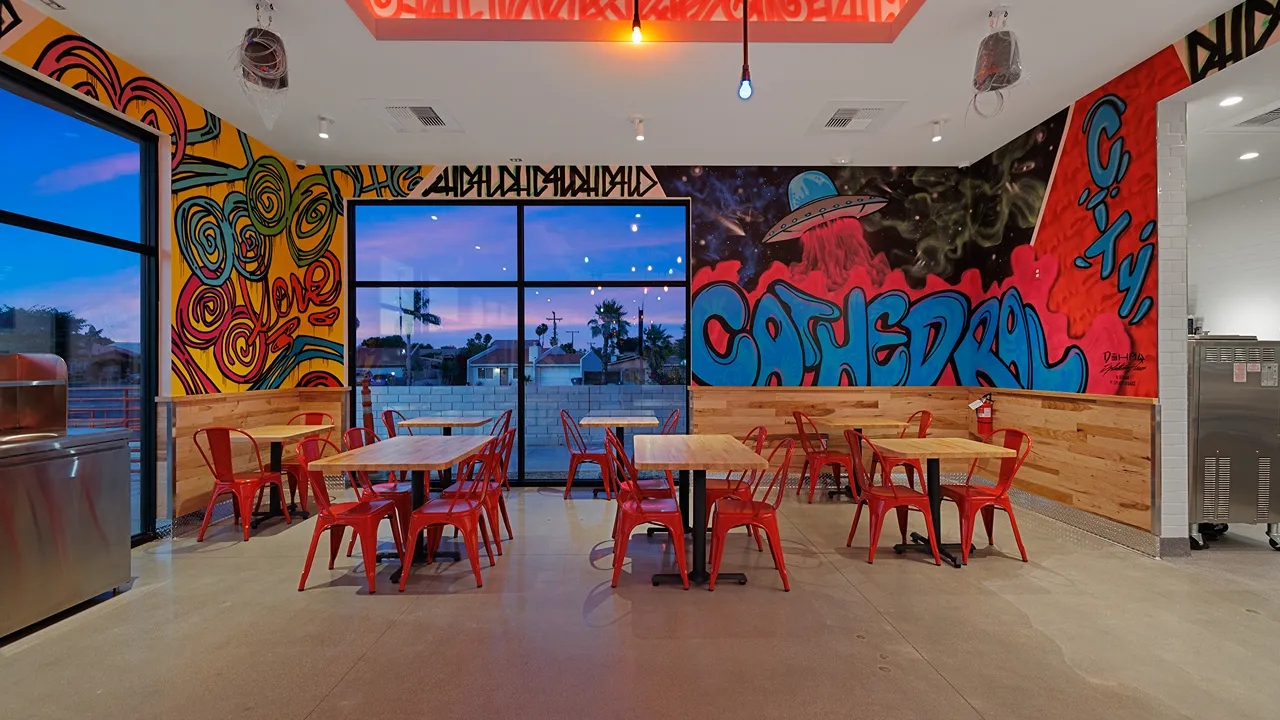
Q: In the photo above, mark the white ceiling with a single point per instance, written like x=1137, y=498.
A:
x=569, y=102
x=1214, y=166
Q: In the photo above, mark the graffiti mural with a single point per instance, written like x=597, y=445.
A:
x=257, y=244
x=551, y=181
x=1233, y=36
x=9, y=18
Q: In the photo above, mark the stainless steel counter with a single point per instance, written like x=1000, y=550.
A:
x=64, y=520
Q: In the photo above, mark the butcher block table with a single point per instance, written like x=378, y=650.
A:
x=276, y=436
x=417, y=454
x=932, y=451
x=619, y=423
x=699, y=454
x=447, y=423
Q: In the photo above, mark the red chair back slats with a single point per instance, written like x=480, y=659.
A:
x=313, y=418
x=501, y=425
x=216, y=450
x=358, y=437
x=389, y=420
x=478, y=473
x=811, y=440
x=1015, y=440
x=672, y=422
x=313, y=448
x=778, y=480
x=867, y=480
x=924, y=418
x=572, y=436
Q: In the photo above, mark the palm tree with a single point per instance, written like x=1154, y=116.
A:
x=540, y=331
x=657, y=349
x=610, y=325
x=418, y=311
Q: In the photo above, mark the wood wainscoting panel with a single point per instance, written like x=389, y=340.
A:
x=191, y=481
x=1092, y=452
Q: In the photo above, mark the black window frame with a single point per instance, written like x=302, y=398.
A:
x=68, y=102
x=520, y=285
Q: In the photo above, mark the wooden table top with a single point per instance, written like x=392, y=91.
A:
x=852, y=423
x=924, y=448
x=695, y=452
x=282, y=433
x=447, y=421
x=619, y=421
x=405, y=452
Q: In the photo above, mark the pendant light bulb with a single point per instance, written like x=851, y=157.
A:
x=636, y=35
x=744, y=86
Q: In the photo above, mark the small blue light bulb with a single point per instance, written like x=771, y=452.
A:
x=744, y=89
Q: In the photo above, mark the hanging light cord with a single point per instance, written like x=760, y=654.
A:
x=744, y=34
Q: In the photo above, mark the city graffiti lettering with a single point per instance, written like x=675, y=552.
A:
x=1233, y=36
x=9, y=19
x=791, y=338
x=1108, y=165
x=553, y=181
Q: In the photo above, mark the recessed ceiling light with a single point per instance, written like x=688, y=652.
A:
x=1233, y=100
x=937, y=131
x=1249, y=156
x=324, y=127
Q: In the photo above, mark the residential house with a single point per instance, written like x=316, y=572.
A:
x=500, y=363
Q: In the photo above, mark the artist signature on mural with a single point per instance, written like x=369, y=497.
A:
x=1108, y=165
x=1119, y=367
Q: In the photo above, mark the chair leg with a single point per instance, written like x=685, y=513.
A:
x=208, y=515
x=335, y=542
x=902, y=523
x=804, y=472
x=246, y=518
x=1016, y=535
x=284, y=507
x=573, y=471
x=989, y=522
x=933, y=540
x=815, y=473
x=775, y=545
x=854, y=528
x=397, y=534
x=484, y=532
x=623, y=535
x=407, y=563
x=311, y=555
x=473, y=551
x=966, y=519
x=755, y=533
x=352, y=545
x=490, y=513
x=676, y=531
x=718, y=536
x=506, y=519
x=369, y=548
x=877, y=522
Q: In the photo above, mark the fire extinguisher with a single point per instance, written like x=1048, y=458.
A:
x=982, y=408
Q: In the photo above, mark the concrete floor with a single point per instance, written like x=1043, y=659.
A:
x=1086, y=629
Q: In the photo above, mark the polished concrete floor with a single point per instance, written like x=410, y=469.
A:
x=1086, y=629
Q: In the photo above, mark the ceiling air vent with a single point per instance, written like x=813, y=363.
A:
x=1264, y=121
x=1263, y=118
x=854, y=116
x=415, y=116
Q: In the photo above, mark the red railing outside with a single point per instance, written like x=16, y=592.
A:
x=105, y=407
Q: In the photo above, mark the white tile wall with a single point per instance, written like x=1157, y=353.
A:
x=1172, y=268
x=1233, y=260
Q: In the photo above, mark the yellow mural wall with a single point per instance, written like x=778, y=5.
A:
x=258, y=245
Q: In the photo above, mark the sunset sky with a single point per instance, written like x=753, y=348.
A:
x=67, y=171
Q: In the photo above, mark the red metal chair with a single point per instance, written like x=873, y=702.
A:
x=737, y=485
x=291, y=468
x=465, y=511
x=883, y=496
x=817, y=455
x=635, y=509
x=495, y=504
x=390, y=420
x=970, y=498
x=400, y=493
x=580, y=453
x=911, y=465
x=242, y=486
x=650, y=488
x=501, y=425
x=671, y=424
x=761, y=515
x=363, y=517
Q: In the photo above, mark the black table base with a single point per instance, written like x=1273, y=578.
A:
x=698, y=574
x=919, y=543
x=275, y=503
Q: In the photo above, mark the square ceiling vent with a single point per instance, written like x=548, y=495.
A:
x=415, y=116
x=854, y=116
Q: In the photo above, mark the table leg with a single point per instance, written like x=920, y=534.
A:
x=682, y=495
x=275, y=505
x=847, y=490
x=920, y=543
x=418, y=483
x=621, y=432
x=698, y=574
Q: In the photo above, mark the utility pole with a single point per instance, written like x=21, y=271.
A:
x=572, y=335
x=555, y=328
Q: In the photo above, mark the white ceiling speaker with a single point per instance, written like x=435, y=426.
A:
x=999, y=64
x=264, y=67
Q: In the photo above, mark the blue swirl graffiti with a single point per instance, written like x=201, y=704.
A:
x=887, y=341
x=1107, y=168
